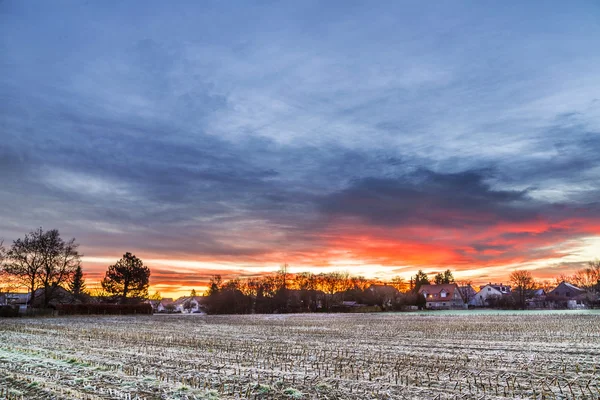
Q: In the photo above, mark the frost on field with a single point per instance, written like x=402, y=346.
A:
x=369, y=356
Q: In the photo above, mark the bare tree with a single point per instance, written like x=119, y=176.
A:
x=523, y=283
x=60, y=262
x=24, y=261
x=42, y=260
x=588, y=278
x=466, y=290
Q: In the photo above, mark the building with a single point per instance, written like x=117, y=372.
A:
x=188, y=304
x=567, y=295
x=490, y=294
x=446, y=296
x=15, y=299
x=60, y=295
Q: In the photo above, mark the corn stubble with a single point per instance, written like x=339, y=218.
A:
x=366, y=356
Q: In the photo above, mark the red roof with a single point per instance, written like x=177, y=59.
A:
x=433, y=290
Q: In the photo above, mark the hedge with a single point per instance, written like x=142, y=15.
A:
x=9, y=311
x=103, y=309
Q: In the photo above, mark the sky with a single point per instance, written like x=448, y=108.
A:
x=377, y=138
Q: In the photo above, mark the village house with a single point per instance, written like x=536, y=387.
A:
x=185, y=304
x=567, y=295
x=161, y=306
x=15, y=299
x=446, y=296
x=490, y=294
x=61, y=295
x=188, y=304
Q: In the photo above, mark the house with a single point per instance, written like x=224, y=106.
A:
x=490, y=294
x=188, y=304
x=154, y=304
x=537, y=299
x=446, y=296
x=60, y=295
x=567, y=295
x=17, y=299
x=165, y=305
x=185, y=304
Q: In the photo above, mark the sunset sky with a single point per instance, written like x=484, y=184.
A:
x=377, y=138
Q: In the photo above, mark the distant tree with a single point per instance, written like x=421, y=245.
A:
x=77, y=284
x=466, y=290
x=156, y=296
x=588, y=278
x=399, y=283
x=193, y=293
x=445, y=277
x=128, y=279
x=42, y=259
x=307, y=284
x=420, y=280
x=523, y=284
x=214, y=285
x=361, y=283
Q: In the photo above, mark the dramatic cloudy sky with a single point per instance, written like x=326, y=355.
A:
x=372, y=137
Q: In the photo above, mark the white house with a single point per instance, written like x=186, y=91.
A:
x=488, y=293
x=188, y=304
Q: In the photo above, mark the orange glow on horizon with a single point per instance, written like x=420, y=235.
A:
x=477, y=253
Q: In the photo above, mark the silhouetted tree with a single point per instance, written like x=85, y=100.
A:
x=399, y=283
x=588, y=278
x=77, y=284
x=523, y=283
x=420, y=280
x=214, y=285
x=128, y=279
x=466, y=290
x=307, y=284
x=193, y=293
x=444, y=278
x=42, y=260
x=155, y=296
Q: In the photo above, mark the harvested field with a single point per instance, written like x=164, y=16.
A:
x=336, y=356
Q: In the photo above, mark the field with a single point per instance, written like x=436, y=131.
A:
x=336, y=356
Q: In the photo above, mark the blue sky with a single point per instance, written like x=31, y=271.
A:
x=350, y=135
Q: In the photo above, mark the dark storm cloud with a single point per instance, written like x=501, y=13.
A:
x=427, y=197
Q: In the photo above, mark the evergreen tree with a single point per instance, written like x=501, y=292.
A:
x=77, y=284
x=128, y=279
x=444, y=277
x=420, y=280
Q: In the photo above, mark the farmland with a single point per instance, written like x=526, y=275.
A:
x=334, y=356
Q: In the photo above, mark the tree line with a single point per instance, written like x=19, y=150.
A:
x=283, y=292
x=47, y=265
